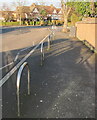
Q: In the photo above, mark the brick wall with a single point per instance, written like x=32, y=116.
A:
x=87, y=30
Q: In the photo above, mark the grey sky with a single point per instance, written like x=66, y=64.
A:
x=29, y=2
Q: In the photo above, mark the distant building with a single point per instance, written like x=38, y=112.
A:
x=6, y=15
x=24, y=11
x=34, y=11
x=1, y=17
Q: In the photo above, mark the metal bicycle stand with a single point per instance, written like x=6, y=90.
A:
x=18, y=84
x=42, y=53
x=48, y=42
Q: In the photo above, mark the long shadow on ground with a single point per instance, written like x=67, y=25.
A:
x=62, y=88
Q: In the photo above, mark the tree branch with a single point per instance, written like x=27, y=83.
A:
x=69, y=10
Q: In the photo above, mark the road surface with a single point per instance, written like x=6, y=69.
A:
x=17, y=42
x=64, y=87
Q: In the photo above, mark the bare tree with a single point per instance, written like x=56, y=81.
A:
x=6, y=12
x=19, y=8
x=5, y=7
x=65, y=11
x=42, y=2
x=92, y=5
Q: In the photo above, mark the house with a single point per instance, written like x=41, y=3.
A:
x=59, y=11
x=52, y=11
x=34, y=12
x=6, y=15
x=1, y=17
x=23, y=12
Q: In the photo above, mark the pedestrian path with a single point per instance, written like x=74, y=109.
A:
x=62, y=87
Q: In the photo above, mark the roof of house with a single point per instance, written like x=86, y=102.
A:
x=23, y=9
x=58, y=10
x=3, y=13
x=49, y=9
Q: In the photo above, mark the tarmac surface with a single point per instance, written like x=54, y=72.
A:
x=63, y=87
x=17, y=42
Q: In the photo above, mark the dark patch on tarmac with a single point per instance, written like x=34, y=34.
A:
x=10, y=29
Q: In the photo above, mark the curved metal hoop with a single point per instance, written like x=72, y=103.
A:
x=18, y=83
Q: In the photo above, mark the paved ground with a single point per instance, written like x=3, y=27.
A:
x=64, y=87
x=18, y=41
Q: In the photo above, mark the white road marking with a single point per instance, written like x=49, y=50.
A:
x=8, y=75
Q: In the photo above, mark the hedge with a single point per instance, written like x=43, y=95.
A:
x=55, y=22
x=9, y=23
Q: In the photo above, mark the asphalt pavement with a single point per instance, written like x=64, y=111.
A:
x=17, y=42
x=63, y=87
x=14, y=28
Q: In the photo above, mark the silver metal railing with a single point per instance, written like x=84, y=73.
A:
x=48, y=42
x=18, y=84
x=42, y=53
x=42, y=46
x=48, y=38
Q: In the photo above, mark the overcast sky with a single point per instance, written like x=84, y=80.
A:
x=29, y=2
